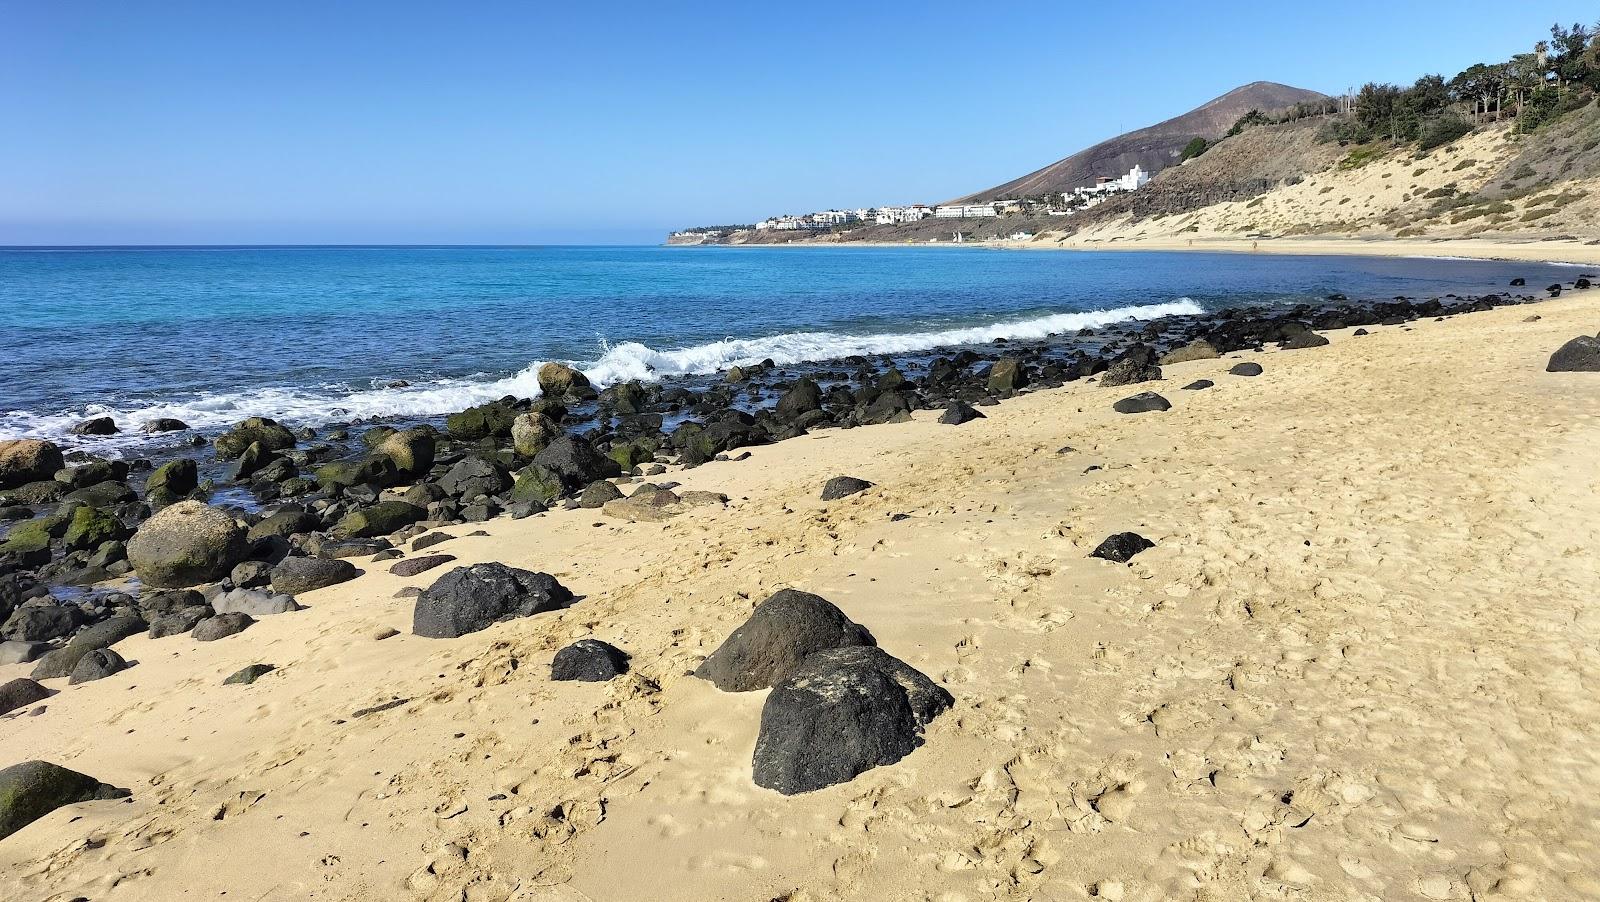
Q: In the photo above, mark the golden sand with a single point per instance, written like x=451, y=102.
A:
x=1362, y=662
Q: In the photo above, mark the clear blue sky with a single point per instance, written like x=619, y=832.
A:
x=377, y=122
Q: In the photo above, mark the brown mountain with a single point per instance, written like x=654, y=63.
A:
x=1156, y=147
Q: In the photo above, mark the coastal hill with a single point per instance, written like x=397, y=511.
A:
x=1155, y=147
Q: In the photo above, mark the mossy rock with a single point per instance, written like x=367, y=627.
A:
x=342, y=474
x=379, y=519
x=36, y=534
x=172, y=481
x=90, y=527
x=412, y=450
x=271, y=435
x=535, y=483
x=482, y=421
x=187, y=544
x=33, y=789
x=631, y=454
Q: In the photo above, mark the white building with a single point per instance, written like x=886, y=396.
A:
x=1136, y=178
x=897, y=215
x=965, y=211
x=787, y=224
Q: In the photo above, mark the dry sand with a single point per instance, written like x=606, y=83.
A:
x=1530, y=250
x=1362, y=662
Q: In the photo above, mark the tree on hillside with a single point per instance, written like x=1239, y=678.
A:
x=1567, y=51
x=1194, y=149
x=1480, y=85
x=1377, y=108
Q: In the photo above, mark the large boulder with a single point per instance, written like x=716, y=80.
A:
x=255, y=602
x=36, y=534
x=1199, y=349
x=102, y=494
x=163, y=424
x=801, y=398
x=109, y=632
x=1121, y=547
x=28, y=460
x=531, y=432
x=559, y=381
x=20, y=693
x=652, y=504
x=588, y=661
x=597, y=494
x=842, y=487
x=1143, y=402
x=475, y=476
x=93, y=472
x=186, y=544
x=269, y=434
x=482, y=421
x=1294, y=335
x=97, y=665
x=412, y=566
x=33, y=789
x=1006, y=376
x=840, y=712
x=95, y=426
x=537, y=484
x=379, y=519
x=412, y=450
x=1580, y=355
x=885, y=407
x=1138, y=364
x=90, y=527
x=244, y=676
x=284, y=523
x=576, y=461
x=294, y=575
x=469, y=599
x=179, y=621
x=780, y=633
x=41, y=622
x=625, y=398
x=373, y=469
x=958, y=412
x=172, y=482
x=221, y=626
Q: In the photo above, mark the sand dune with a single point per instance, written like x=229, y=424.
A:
x=1360, y=663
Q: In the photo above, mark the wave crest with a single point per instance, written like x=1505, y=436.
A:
x=629, y=360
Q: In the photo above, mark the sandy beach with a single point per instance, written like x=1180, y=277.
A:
x=1531, y=250
x=1359, y=663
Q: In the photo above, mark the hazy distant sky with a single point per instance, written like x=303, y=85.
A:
x=535, y=122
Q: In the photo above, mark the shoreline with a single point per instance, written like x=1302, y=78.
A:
x=1571, y=253
x=1227, y=709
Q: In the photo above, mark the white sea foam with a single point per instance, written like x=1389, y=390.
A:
x=629, y=360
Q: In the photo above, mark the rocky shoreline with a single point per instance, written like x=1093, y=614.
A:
x=373, y=601
x=273, y=511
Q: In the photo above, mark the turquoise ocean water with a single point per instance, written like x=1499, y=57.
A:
x=317, y=334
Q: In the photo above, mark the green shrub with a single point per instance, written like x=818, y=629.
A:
x=1441, y=131
x=1464, y=164
x=1194, y=149
x=1360, y=157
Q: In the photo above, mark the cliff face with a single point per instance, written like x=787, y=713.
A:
x=1156, y=147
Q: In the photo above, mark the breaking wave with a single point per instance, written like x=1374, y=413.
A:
x=630, y=360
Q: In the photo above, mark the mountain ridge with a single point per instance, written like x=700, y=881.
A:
x=1155, y=147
